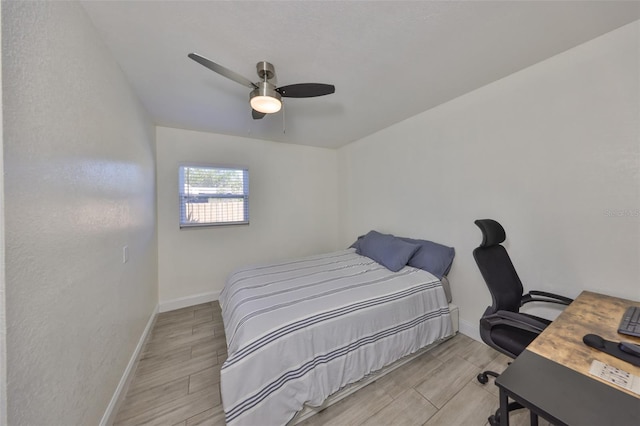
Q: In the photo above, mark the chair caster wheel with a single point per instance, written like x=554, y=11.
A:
x=494, y=420
x=482, y=378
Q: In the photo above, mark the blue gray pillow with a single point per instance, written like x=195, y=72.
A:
x=356, y=244
x=432, y=257
x=389, y=251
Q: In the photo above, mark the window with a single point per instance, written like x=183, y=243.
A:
x=211, y=195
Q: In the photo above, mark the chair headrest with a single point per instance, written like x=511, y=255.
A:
x=492, y=232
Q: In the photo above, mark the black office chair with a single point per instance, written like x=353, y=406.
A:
x=502, y=326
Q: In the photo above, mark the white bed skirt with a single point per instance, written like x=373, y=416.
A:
x=307, y=411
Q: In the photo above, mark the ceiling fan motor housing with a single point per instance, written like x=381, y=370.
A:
x=265, y=89
x=265, y=99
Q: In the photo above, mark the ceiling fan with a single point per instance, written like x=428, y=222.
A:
x=265, y=97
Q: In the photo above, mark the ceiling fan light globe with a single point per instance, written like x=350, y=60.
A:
x=266, y=104
x=265, y=99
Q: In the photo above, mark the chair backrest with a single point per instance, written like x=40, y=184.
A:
x=496, y=268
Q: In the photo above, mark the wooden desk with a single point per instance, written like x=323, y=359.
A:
x=551, y=377
x=590, y=313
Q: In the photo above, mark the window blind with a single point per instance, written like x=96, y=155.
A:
x=211, y=195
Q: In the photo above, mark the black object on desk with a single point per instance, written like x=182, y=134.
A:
x=563, y=396
x=625, y=351
x=630, y=322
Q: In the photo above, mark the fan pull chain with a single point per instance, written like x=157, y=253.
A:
x=284, y=126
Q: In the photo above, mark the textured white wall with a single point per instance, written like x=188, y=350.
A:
x=551, y=152
x=292, y=206
x=79, y=185
x=3, y=317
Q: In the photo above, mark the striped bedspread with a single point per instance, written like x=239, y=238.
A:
x=299, y=331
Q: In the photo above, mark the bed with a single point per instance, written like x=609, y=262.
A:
x=299, y=331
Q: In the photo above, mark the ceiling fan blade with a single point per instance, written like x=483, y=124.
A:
x=306, y=90
x=257, y=115
x=225, y=72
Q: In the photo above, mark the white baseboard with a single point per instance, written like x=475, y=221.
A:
x=112, y=409
x=183, y=302
x=470, y=329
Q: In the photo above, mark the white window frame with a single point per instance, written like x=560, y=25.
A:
x=184, y=196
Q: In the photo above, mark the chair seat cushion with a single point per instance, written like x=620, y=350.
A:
x=542, y=320
x=514, y=340
x=510, y=339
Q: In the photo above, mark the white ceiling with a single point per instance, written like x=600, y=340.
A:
x=388, y=60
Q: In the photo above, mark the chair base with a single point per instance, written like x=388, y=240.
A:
x=494, y=419
x=483, y=377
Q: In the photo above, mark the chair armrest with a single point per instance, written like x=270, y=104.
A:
x=513, y=319
x=543, y=296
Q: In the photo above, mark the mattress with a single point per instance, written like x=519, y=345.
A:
x=298, y=331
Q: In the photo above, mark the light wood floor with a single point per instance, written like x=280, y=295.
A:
x=177, y=381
